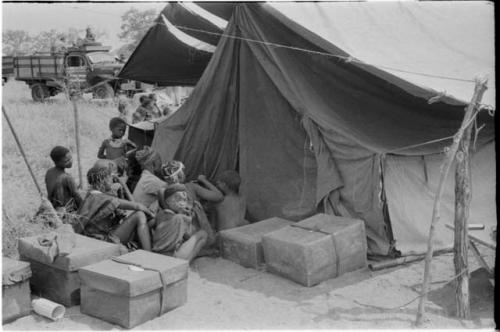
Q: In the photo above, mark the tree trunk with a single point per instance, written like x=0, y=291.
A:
x=462, y=201
x=479, y=90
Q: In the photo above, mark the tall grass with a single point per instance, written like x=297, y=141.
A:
x=40, y=127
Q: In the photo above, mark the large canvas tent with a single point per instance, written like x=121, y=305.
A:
x=344, y=108
x=178, y=47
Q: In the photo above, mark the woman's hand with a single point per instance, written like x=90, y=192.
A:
x=143, y=208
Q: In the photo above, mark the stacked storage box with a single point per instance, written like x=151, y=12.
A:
x=133, y=288
x=16, y=294
x=243, y=245
x=316, y=249
x=58, y=280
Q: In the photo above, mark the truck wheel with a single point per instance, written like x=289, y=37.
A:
x=39, y=92
x=103, y=91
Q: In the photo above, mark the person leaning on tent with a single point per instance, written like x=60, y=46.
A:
x=230, y=212
x=61, y=187
x=146, y=189
x=101, y=218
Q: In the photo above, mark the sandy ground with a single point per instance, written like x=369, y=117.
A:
x=224, y=295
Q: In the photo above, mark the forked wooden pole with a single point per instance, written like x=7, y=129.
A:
x=77, y=137
x=479, y=90
x=461, y=241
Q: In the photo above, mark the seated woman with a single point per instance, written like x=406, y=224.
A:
x=100, y=217
x=146, y=189
x=174, y=233
x=173, y=173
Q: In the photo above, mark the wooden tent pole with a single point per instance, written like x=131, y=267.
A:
x=463, y=195
x=479, y=90
x=77, y=137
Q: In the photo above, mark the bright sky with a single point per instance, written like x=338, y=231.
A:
x=36, y=17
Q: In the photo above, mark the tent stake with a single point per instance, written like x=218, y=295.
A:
x=77, y=136
x=479, y=90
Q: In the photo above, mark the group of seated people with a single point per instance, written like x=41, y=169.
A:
x=163, y=214
x=147, y=110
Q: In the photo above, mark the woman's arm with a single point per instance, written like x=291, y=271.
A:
x=210, y=193
x=134, y=206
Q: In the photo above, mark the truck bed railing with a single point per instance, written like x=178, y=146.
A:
x=36, y=67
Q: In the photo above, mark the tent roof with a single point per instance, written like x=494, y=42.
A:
x=420, y=42
x=441, y=46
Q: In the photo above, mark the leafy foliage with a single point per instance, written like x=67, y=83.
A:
x=135, y=24
x=16, y=42
x=19, y=42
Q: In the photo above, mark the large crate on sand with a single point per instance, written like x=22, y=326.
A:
x=316, y=249
x=16, y=301
x=120, y=292
x=58, y=281
x=243, y=245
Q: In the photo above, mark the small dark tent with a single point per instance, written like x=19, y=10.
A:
x=177, y=48
x=344, y=108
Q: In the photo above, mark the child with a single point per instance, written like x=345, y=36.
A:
x=174, y=233
x=101, y=217
x=143, y=112
x=61, y=188
x=231, y=210
x=116, y=148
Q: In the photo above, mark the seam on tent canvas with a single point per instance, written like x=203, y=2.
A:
x=205, y=14
x=185, y=38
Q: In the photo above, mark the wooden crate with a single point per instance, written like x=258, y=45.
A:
x=243, y=245
x=16, y=295
x=115, y=292
x=316, y=249
x=58, y=281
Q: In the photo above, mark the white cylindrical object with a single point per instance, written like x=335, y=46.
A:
x=48, y=308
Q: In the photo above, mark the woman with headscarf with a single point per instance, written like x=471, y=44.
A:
x=173, y=174
x=149, y=184
x=100, y=215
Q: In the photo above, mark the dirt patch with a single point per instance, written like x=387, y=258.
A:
x=481, y=296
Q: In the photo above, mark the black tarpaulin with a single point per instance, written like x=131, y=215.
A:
x=177, y=58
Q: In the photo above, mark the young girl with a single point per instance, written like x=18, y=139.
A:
x=117, y=148
x=101, y=219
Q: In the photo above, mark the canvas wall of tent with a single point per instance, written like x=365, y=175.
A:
x=341, y=107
